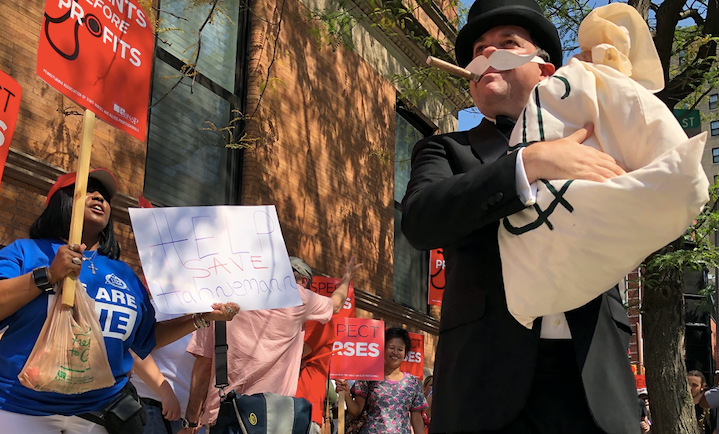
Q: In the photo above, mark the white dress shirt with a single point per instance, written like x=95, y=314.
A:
x=554, y=326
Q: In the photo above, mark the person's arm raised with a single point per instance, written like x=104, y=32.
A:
x=340, y=294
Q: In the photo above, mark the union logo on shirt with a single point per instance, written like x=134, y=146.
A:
x=115, y=281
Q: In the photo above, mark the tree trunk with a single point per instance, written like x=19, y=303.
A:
x=670, y=402
x=642, y=6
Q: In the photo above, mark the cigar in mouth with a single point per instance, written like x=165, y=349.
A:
x=452, y=69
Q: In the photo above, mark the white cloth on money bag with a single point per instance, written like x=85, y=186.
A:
x=581, y=237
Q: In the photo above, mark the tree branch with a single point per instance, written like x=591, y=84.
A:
x=693, y=14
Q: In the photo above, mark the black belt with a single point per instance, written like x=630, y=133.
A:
x=151, y=402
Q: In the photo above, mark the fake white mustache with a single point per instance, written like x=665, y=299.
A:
x=502, y=60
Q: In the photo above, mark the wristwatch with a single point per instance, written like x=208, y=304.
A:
x=187, y=424
x=42, y=281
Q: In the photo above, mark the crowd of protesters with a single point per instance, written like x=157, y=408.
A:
x=169, y=358
x=165, y=361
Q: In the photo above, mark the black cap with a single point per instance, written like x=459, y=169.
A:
x=484, y=15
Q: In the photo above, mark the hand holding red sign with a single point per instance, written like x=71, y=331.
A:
x=361, y=345
x=10, y=93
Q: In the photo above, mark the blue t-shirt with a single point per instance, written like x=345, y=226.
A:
x=126, y=316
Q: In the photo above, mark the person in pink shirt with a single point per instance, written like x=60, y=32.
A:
x=265, y=347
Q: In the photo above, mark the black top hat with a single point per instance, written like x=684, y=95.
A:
x=487, y=14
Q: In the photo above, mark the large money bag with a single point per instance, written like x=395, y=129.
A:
x=580, y=237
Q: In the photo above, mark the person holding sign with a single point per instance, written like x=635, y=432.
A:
x=264, y=346
x=318, y=347
x=394, y=404
x=30, y=268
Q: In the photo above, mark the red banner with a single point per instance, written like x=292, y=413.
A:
x=436, y=277
x=10, y=93
x=414, y=360
x=327, y=285
x=99, y=54
x=360, y=349
x=641, y=381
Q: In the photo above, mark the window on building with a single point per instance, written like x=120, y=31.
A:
x=186, y=163
x=713, y=101
x=715, y=155
x=715, y=128
x=411, y=266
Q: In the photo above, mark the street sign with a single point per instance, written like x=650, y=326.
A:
x=688, y=119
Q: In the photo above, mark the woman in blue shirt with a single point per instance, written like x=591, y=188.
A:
x=30, y=268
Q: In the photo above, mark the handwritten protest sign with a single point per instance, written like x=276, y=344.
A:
x=195, y=256
x=414, y=360
x=361, y=349
x=436, y=277
x=98, y=53
x=327, y=285
x=10, y=93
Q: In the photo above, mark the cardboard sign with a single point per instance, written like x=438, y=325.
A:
x=10, y=94
x=195, y=256
x=327, y=285
x=436, y=277
x=361, y=349
x=414, y=360
x=99, y=54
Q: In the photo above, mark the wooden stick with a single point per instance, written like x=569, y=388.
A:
x=452, y=69
x=78, y=200
x=341, y=414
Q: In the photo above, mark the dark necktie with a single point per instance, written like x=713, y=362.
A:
x=505, y=125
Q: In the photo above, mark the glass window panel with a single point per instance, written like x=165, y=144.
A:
x=186, y=165
x=715, y=128
x=713, y=99
x=406, y=136
x=219, y=39
x=411, y=270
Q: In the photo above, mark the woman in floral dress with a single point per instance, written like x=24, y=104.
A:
x=394, y=404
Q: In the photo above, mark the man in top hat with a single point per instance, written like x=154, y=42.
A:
x=570, y=372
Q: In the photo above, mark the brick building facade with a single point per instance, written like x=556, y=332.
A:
x=319, y=125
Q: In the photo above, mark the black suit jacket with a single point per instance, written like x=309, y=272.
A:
x=462, y=184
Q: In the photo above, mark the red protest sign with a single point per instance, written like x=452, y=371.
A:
x=144, y=203
x=641, y=381
x=360, y=349
x=99, y=54
x=10, y=93
x=436, y=277
x=414, y=360
x=327, y=285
